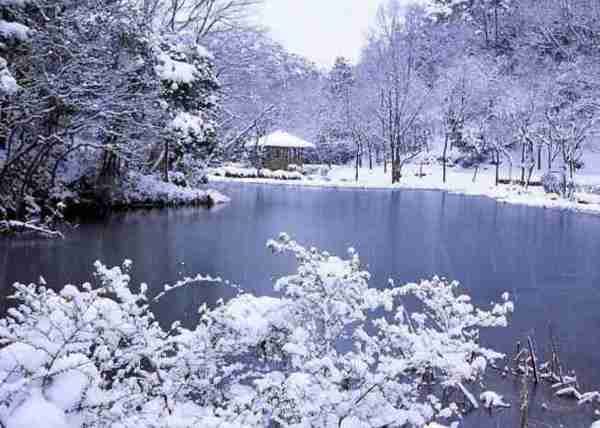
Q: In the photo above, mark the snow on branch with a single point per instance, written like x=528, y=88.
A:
x=9, y=226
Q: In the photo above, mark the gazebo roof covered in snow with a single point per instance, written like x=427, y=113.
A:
x=283, y=140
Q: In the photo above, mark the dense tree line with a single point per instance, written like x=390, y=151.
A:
x=512, y=83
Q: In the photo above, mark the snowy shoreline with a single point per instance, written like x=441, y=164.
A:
x=146, y=190
x=139, y=192
x=459, y=183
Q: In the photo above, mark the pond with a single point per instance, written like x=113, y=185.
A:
x=547, y=259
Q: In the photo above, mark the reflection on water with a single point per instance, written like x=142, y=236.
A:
x=547, y=259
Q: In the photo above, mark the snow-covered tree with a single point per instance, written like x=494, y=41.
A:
x=86, y=90
x=465, y=91
x=336, y=135
x=189, y=92
x=399, y=72
x=102, y=93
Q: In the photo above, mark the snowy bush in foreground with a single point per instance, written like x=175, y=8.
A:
x=96, y=356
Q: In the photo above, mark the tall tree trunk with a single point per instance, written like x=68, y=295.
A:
x=444, y=159
x=475, y=173
x=485, y=28
x=393, y=161
x=357, y=163
x=496, y=24
x=522, y=163
x=497, y=167
x=539, y=157
x=531, y=165
x=166, y=162
x=385, y=159
x=396, y=166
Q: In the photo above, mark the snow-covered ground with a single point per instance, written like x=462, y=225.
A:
x=459, y=180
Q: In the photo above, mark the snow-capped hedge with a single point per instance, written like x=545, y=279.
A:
x=316, y=169
x=234, y=172
x=95, y=356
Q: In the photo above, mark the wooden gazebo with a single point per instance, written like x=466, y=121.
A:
x=280, y=149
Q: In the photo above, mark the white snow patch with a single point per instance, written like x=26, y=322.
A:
x=8, y=84
x=36, y=411
x=21, y=355
x=14, y=30
x=175, y=71
x=189, y=124
x=14, y=2
x=204, y=52
x=253, y=315
x=490, y=399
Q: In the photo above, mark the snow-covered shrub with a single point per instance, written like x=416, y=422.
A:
x=552, y=182
x=294, y=168
x=280, y=174
x=235, y=172
x=97, y=357
x=317, y=169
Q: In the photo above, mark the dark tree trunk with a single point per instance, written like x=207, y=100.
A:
x=531, y=166
x=485, y=28
x=396, y=166
x=444, y=161
x=496, y=24
x=356, y=164
x=166, y=162
x=523, y=162
x=497, y=167
x=384, y=162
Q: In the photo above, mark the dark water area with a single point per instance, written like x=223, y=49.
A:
x=547, y=259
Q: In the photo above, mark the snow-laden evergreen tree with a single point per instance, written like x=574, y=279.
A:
x=189, y=94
